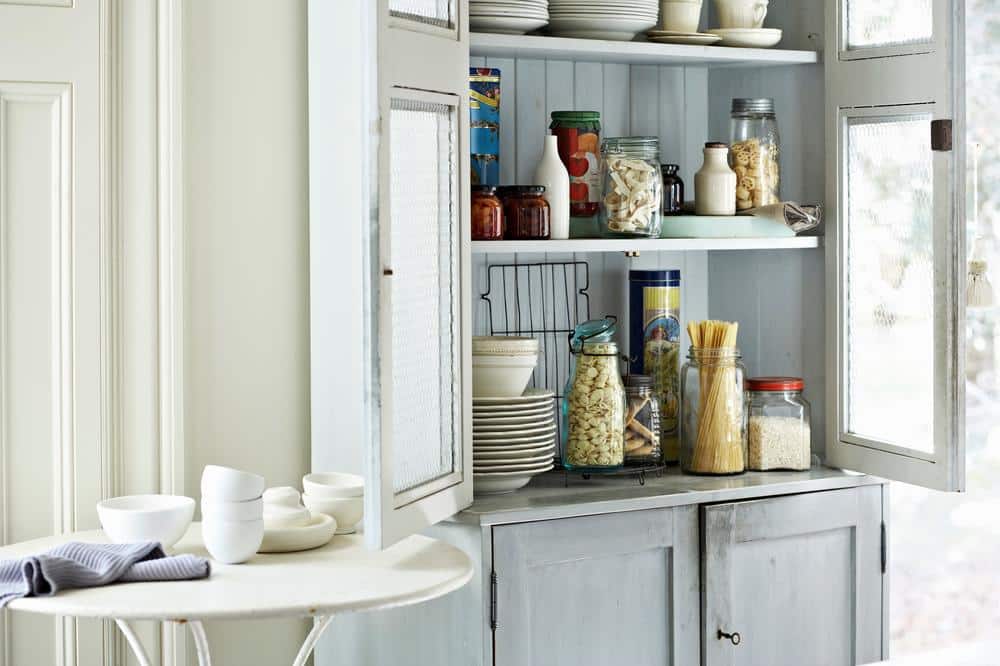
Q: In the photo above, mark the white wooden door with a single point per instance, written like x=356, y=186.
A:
x=53, y=399
x=398, y=198
x=798, y=578
x=610, y=589
x=895, y=239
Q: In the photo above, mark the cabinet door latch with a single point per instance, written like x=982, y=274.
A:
x=885, y=548
x=493, y=600
x=941, y=135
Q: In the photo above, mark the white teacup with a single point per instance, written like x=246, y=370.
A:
x=741, y=13
x=680, y=15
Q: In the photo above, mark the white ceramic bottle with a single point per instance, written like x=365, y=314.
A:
x=551, y=173
x=715, y=183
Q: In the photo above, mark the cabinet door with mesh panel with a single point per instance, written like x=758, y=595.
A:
x=389, y=183
x=895, y=239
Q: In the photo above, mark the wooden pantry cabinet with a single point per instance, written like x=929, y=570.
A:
x=650, y=576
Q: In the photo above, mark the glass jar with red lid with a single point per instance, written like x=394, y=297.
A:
x=526, y=212
x=778, y=434
x=487, y=213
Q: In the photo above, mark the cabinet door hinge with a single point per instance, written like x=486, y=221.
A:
x=941, y=135
x=884, y=548
x=493, y=599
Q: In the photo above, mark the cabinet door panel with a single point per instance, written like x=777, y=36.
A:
x=896, y=241
x=799, y=578
x=614, y=589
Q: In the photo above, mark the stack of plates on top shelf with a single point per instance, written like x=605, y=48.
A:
x=621, y=20
x=508, y=17
x=513, y=439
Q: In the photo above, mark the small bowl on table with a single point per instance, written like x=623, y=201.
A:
x=138, y=518
x=338, y=495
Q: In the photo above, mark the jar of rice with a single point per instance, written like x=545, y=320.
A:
x=778, y=424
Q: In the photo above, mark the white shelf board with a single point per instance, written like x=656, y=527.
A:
x=643, y=245
x=633, y=53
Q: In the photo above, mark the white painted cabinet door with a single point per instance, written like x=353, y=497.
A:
x=396, y=196
x=617, y=588
x=895, y=239
x=799, y=579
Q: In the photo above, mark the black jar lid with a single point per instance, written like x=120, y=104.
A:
x=670, y=169
x=484, y=189
x=638, y=381
x=534, y=190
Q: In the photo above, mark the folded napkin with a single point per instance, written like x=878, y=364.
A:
x=74, y=565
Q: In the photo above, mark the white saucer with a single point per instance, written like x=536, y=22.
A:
x=494, y=483
x=755, y=38
x=317, y=532
x=516, y=430
x=671, y=37
x=479, y=456
x=505, y=25
x=530, y=397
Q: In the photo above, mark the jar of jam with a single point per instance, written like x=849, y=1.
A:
x=487, y=213
x=526, y=213
x=578, y=135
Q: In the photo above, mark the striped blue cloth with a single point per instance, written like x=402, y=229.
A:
x=75, y=564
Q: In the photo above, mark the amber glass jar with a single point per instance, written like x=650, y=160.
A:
x=487, y=213
x=526, y=213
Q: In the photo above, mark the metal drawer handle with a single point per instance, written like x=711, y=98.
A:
x=734, y=637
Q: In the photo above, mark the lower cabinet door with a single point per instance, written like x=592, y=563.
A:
x=799, y=578
x=610, y=589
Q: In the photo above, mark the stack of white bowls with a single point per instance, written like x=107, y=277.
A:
x=601, y=19
x=232, y=513
x=338, y=495
x=509, y=17
x=502, y=365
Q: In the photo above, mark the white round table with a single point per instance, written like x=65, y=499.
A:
x=340, y=577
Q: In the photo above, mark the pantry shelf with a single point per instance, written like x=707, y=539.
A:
x=633, y=53
x=643, y=245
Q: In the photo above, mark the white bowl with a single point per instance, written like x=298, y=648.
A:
x=489, y=345
x=333, y=484
x=232, y=542
x=504, y=376
x=283, y=495
x=230, y=485
x=136, y=518
x=235, y=511
x=280, y=516
x=347, y=511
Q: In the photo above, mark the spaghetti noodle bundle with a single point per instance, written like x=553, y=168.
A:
x=719, y=443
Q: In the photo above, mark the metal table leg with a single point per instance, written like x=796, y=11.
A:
x=319, y=626
x=133, y=642
x=200, y=643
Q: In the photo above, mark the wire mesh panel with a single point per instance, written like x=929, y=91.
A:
x=424, y=291
x=545, y=301
x=875, y=23
x=432, y=12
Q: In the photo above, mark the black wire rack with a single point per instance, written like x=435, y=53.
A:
x=542, y=300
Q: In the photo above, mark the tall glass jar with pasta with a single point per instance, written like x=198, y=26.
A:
x=755, y=152
x=713, y=430
x=594, y=402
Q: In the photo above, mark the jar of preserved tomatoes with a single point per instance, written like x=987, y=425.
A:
x=487, y=213
x=526, y=213
x=578, y=135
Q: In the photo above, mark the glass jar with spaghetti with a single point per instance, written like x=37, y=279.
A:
x=713, y=428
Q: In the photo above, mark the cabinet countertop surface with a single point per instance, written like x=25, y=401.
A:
x=557, y=495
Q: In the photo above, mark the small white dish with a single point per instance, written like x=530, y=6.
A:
x=505, y=432
x=497, y=483
x=333, y=484
x=690, y=38
x=136, y=518
x=283, y=496
x=230, y=485
x=232, y=542
x=513, y=466
x=478, y=450
x=485, y=457
x=504, y=411
x=505, y=25
x=754, y=38
x=523, y=420
x=234, y=511
x=317, y=532
x=347, y=511
x=531, y=397
x=279, y=516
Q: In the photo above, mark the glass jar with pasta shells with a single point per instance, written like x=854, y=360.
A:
x=593, y=408
x=631, y=187
x=755, y=152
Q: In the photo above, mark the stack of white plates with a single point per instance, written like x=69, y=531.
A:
x=509, y=17
x=513, y=439
x=619, y=20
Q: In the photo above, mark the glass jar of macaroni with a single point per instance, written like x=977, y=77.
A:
x=754, y=153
